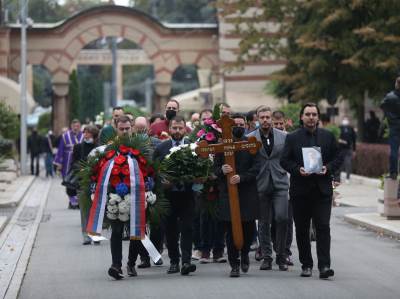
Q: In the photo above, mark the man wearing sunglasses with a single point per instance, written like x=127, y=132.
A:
x=311, y=193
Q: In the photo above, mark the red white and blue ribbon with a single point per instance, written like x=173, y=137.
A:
x=96, y=214
x=138, y=197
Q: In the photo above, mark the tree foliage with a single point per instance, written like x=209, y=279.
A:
x=332, y=48
x=9, y=124
x=74, y=96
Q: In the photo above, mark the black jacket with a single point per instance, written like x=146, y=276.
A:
x=247, y=167
x=391, y=107
x=292, y=160
x=347, y=138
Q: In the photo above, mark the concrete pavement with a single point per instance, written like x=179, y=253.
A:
x=366, y=266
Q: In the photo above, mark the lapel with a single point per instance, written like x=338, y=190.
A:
x=277, y=141
x=262, y=150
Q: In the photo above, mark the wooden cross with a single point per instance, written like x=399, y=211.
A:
x=229, y=147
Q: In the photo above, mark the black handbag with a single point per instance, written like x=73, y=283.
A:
x=71, y=181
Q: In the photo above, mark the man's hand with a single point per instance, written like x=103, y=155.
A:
x=303, y=172
x=235, y=179
x=226, y=169
x=323, y=171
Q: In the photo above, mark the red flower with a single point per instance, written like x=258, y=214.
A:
x=93, y=178
x=135, y=152
x=115, y=180
x=120, y=159
x=95, y=168
x=142, y=160
x=124, y=149
x=116, y=170
x=110, y=154
x=125, y=170
x=127, y=181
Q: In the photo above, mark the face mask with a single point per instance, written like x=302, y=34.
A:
x=257, y=124
x=90, y=140
x=238, y=132
x=170, y=114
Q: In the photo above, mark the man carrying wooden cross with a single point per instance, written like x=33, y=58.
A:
x=244, y=177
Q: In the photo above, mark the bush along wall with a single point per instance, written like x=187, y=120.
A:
x=371, y=160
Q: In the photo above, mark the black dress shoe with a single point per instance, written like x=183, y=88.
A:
x=131, y=270
x=325, y=273
x=283, y=267
x=245, y=264
x=144, y=264
x=187, y=268
x=173, y=268
x=159, y=262
x=266, y=265
x=235, y=272
x=306, y=272
x=115, y=272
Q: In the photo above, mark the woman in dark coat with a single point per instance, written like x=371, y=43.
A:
x=247, y=169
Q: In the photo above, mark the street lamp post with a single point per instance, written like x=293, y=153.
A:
x=23, y=134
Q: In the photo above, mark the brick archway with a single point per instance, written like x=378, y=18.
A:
x=57, y=46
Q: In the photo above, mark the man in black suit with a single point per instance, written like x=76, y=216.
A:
x=247, y=169
x=182, y=205
x=311, y=194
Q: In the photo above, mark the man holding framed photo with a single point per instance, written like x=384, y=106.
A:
x=311, y=186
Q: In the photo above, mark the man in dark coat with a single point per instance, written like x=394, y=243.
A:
x=311, y=194
x=35, y=142
x=391, y=107
x=182, y=205
x=247, y=169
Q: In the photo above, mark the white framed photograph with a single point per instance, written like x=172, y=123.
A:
x=312, y=159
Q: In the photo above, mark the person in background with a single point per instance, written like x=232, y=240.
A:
x=63, y=158
x=80, y=153
x=372, y=125
x=252, y=121
x=347, y=145
x=391, y=107
x=49, y=148
x=35, y=142
x=278, y=120
x=109, y=130
x=225, y=109
x=156, y=117
x=194, y=120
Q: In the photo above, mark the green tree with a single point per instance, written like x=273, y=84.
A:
x=74, y=96
x=333, y=48
x=9, y=124
x=44, y=123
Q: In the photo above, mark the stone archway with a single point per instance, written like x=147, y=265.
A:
x=57, y=46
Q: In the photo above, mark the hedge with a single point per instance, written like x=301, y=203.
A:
x=371, y=160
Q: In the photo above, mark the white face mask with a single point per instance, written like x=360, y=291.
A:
x=89, y=140
x=345, y=122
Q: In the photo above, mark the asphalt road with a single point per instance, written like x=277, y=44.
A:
x=366, y=266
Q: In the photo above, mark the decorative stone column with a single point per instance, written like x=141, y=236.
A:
x=60, y=112
x=163, y=91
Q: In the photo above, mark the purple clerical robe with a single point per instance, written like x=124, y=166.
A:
x=65, y=148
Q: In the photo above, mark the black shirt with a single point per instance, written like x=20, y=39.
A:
x=268, y=141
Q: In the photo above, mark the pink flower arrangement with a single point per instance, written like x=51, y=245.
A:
x=210, y=136
x=201, y=133
x=215, y=127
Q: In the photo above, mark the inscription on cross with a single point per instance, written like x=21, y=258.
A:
x=228, y=147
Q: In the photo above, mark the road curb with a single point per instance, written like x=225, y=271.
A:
x=376, y=223
x=16, y=198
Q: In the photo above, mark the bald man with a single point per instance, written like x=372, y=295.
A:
x=141, y=125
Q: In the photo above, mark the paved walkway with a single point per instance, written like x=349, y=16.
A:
x=60, y=267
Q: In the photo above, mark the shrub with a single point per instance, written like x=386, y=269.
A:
x=44, y=123
x=371, y=160
x=9, y=124
x=6, y=147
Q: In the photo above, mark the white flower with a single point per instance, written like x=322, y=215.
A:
x=184, y=146
x=193, y=146
x=174, y=149
x=194, y=154
x=92, y=196
x=123, y=207
x=123, y=217
x=167, y=156
x=114, y=198
x=151, y=197
x=111, y=216
x=127, y=198
x=112, y=209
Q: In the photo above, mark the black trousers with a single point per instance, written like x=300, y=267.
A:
x=248, y=233
x=157, y=238
x=289, y=234
x=135, y=246
x=179, y=226
x=318, y=208
x=35, y=158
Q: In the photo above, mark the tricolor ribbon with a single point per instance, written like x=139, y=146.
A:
x=96, y=214
x=137, y=212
